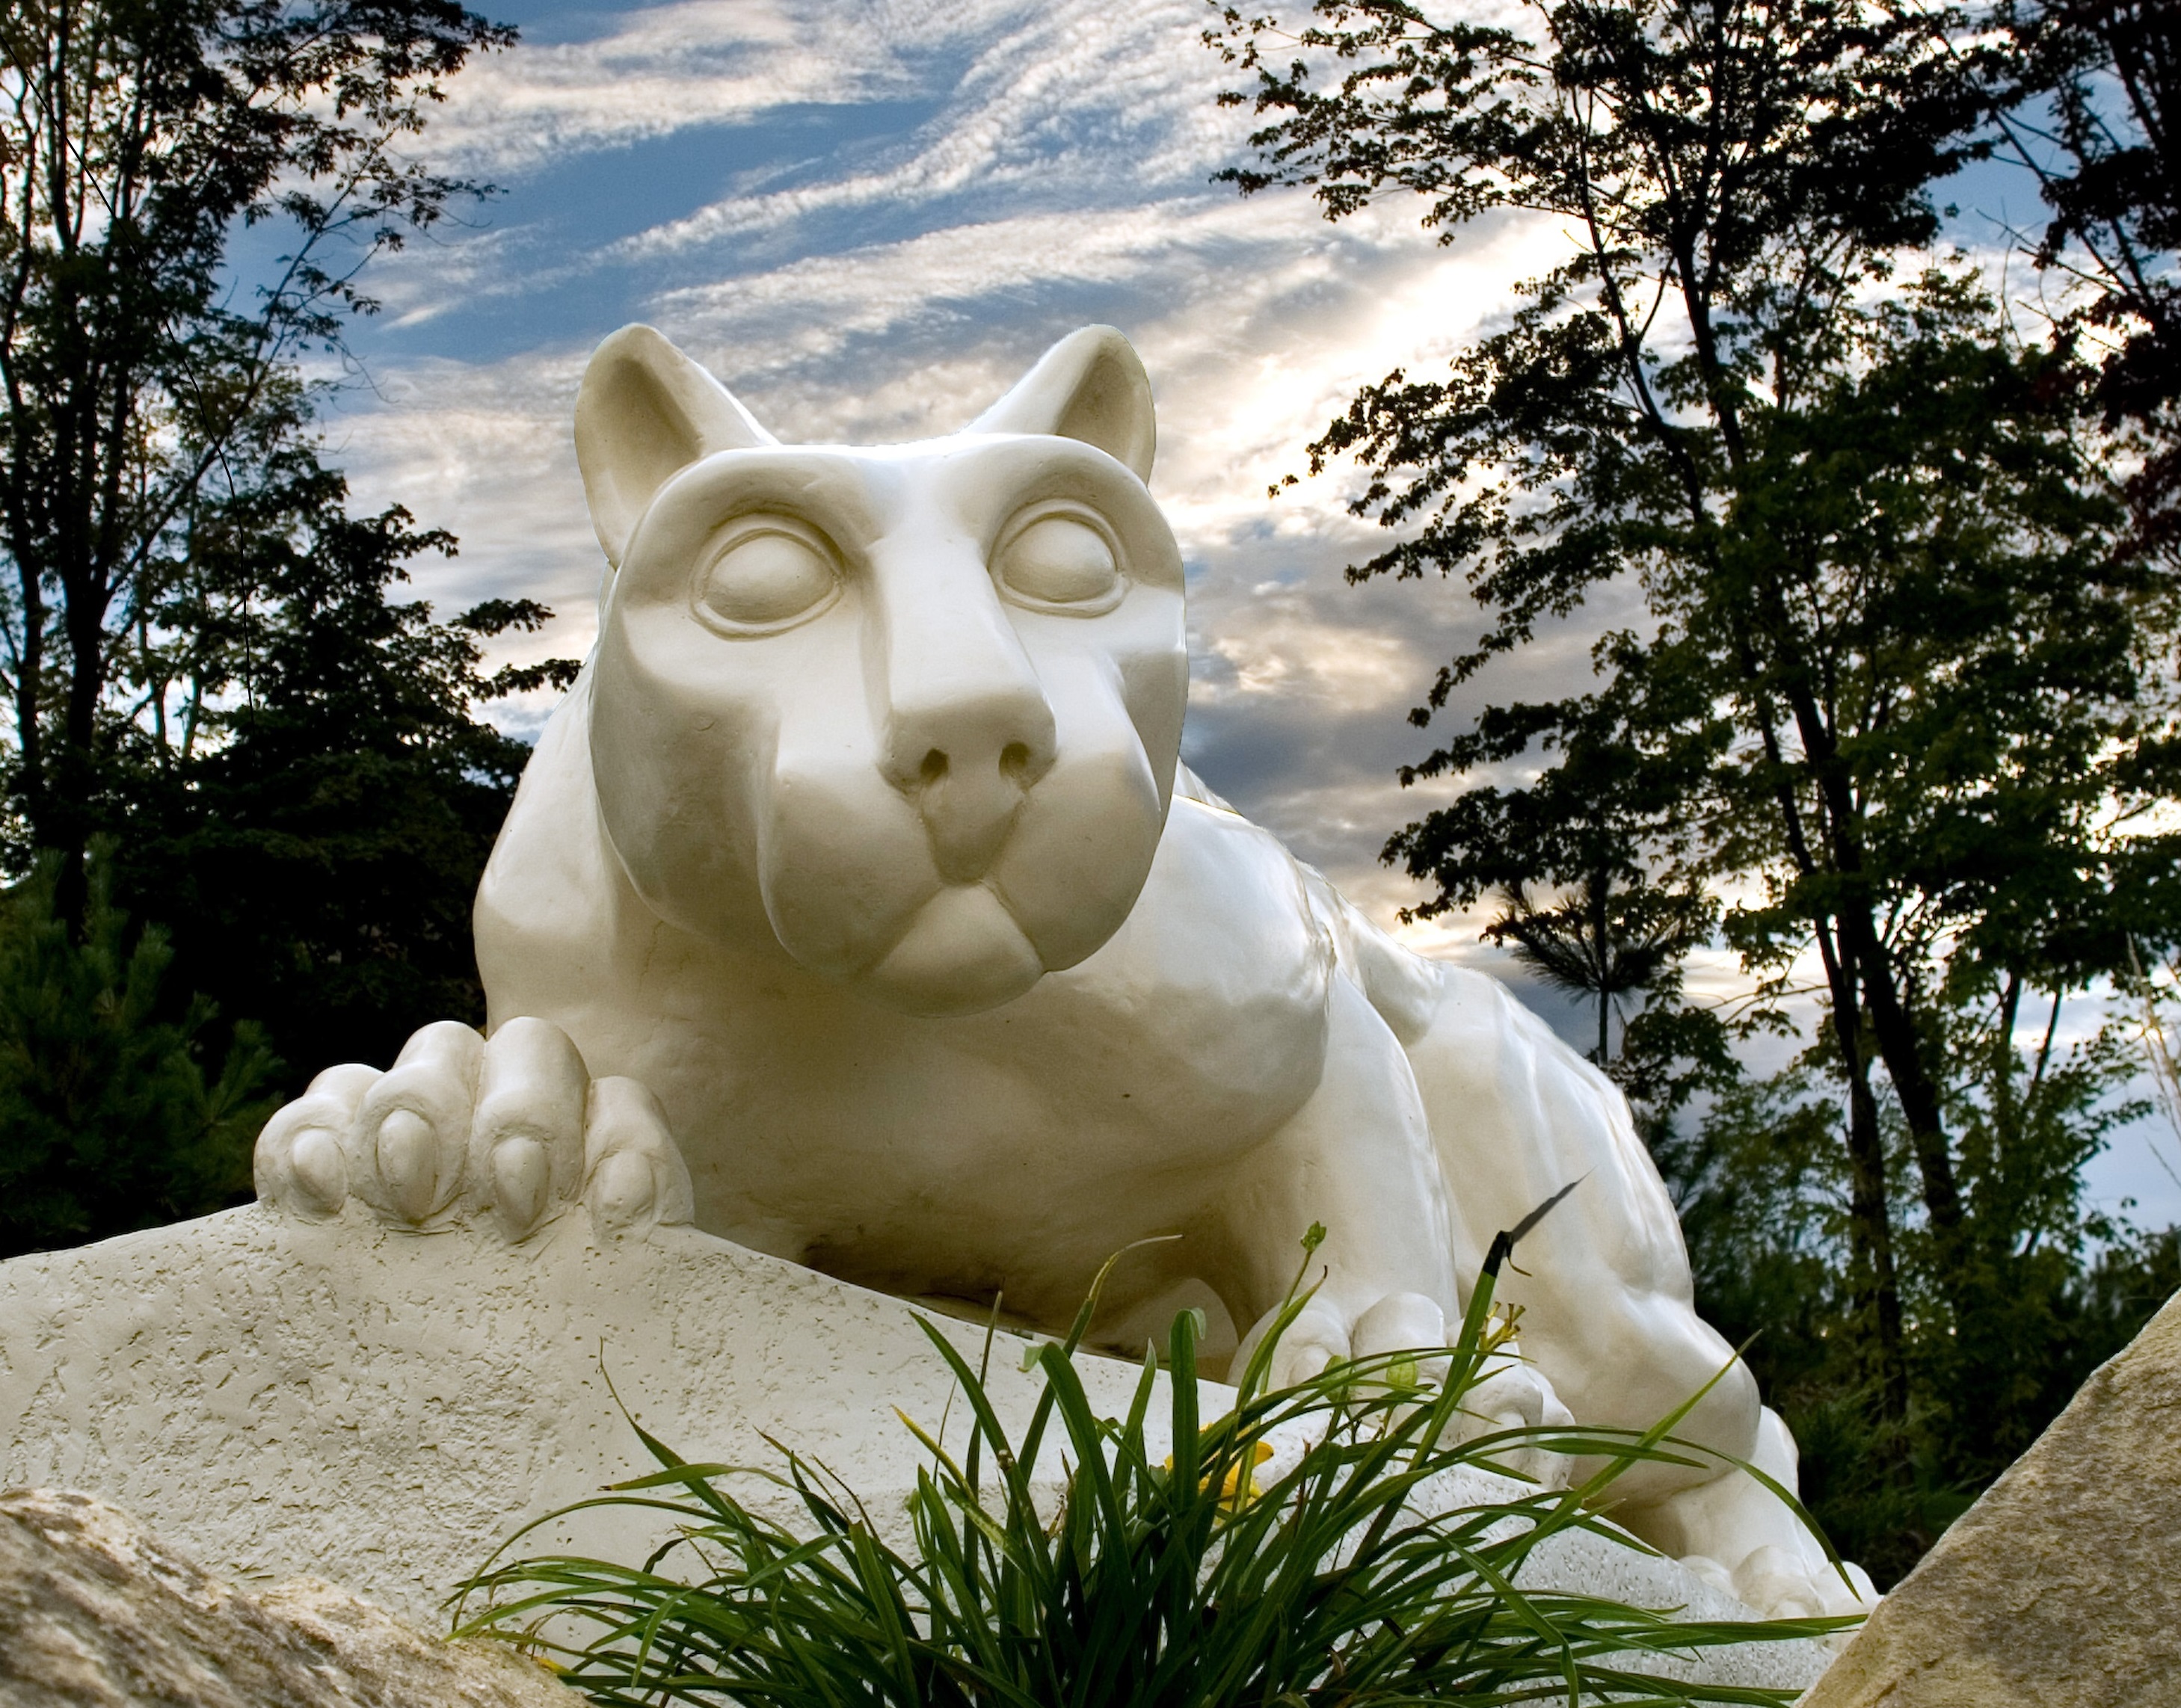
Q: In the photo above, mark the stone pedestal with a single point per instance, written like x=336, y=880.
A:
x=382, y=1408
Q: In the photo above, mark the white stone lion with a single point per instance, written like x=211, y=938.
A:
x=860, y=861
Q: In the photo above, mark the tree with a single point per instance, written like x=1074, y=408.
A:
x=1762, y=1186
x=136, y=137
x=204, y=657
x=1904, y=675
x=1606, y=941
x=1595, y=827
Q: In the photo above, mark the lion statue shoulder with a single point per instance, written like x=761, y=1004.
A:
x=855, y=905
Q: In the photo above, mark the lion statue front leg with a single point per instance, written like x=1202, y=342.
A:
x=511, y=1133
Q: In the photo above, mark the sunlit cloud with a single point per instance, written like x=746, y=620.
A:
x=662, y=69
x=1055, y=170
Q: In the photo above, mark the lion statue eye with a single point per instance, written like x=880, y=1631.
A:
x=766, y=572
x=1060, y=559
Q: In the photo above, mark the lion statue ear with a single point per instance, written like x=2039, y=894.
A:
x=646, y=412
x=1091, y=386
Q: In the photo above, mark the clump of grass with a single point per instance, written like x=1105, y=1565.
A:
x=1182, y=1581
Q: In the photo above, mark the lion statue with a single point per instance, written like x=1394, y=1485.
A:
x=859, y=873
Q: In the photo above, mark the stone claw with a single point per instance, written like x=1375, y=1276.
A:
x=1322, y=1335
x=526, y=1139
x=1403, y=1322
x=509, y=1131
x=301, y=1161
x=634, y=1176
x=1314, y=1340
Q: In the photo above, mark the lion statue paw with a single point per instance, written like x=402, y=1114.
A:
x=510, y=1131
x=1514, y=1395
x=1780, y=1583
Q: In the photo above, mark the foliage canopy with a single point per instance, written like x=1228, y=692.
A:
x=1897, y=706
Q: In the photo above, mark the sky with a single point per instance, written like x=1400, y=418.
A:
x=868, y=217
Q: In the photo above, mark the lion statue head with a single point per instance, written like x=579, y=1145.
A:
x=910, y=713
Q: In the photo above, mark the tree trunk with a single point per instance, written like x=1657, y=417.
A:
x=1894, y=1028
x=30, y=670
x=1870, y=1220
x=1864, y=955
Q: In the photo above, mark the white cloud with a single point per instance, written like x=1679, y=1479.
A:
x=1055, y=99
x=668, y=68
x=814, y=306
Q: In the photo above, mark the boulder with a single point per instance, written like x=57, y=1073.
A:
x=95, y=1612
x=2061, y=1587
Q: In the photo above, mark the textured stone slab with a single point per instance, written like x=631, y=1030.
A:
x=2061, y=1587
x=382, y=1408
x=95, y=1613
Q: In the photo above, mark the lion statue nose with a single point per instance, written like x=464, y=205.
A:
x=967, y=764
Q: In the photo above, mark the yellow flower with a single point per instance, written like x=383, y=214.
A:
x=1260, y=1451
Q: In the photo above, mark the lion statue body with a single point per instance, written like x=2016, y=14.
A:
x=861, y=861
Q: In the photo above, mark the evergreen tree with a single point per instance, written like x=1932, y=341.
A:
x=315, y=815
x=107, y=1121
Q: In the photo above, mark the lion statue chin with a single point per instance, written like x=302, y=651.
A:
x=855, y=905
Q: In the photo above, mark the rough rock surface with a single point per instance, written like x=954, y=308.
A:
x=96, y=1613
x=383, y=1408
x=2061, y=1587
